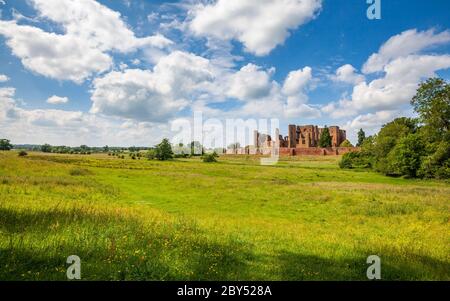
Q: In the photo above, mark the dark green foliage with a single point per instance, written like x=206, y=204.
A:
x=212, y=157
x=437, y=163
x=23, y=153
x=355, y=160
x=432, y=103
x=325, y=138
x=361, y=137
x=387, y=138
x=163, y=151
x=46, y=148
x=405, y=158
x=5, y=145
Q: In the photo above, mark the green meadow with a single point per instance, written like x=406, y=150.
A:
x=303, y=219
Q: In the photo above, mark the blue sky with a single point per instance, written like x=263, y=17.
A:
x=121, y=72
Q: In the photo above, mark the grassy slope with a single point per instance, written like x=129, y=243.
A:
x=301, y=219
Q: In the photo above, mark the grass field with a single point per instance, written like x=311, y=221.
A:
x=303, y=219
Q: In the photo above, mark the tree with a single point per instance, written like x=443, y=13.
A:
x=325, y=138
x=432, y=103
x=106, y=149
x=361, y=137
x=163, y=151
x=46, y=148
x=346, y=143
x=388, y=137
x=406, y=157
x=5, y=145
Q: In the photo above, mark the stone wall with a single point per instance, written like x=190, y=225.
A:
x=286, y=151
x=316, y=151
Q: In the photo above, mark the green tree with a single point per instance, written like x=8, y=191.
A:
x=325, y=138
x=387, y=138
x=432, y=103
x=361, y=137
x=437, y=163
x=405, y=159
x=346, y=143
x=106, y=149
x=163, y=151
x=46, y=148
x=5, y=145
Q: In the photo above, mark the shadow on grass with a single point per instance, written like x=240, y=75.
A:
x=393, y=267
x=118, y=248
x=112, y=248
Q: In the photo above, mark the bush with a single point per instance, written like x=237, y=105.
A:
x=23, y=153
x=356, y=160
x=208, y=158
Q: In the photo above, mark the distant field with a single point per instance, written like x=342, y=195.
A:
x=304, y=219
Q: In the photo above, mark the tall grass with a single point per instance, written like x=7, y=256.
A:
x=231, y=220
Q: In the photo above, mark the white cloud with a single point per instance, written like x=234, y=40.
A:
x=73, y=127
x=403, y=44
x=57, y=100
x=403, y=69
x=250, y=82
x=3, y=78
x=400, y=82
x=371, y=123
x=347, y=74
x=90, y=31
x=151, y=95
x=61, y=57
x=297, y=80
x=260, y=25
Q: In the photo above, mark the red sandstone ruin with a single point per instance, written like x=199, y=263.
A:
x=301, y=140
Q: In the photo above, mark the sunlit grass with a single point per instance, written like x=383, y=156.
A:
x=232, y=220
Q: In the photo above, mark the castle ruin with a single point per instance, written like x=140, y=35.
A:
x=301, y=140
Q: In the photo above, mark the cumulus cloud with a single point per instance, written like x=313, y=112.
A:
x=250, y=82
x=403, y=44
x=72, y=127
x=260, y=25
x=347, y=74
x=297, y=80
x=294, y=89
x=403, y=68
x=3, y=78
x=91, y=30
x=57, y=100
x=151, y=95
